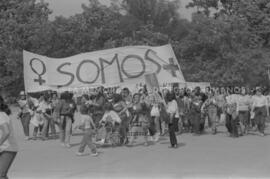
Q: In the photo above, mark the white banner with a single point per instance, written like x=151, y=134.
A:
x=114, y=67
x=202, y=85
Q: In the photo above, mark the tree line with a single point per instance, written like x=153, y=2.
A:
x=226, y=42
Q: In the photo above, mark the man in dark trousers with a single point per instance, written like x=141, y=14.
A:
x=203, y=97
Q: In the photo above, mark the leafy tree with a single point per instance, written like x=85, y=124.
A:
x=204, y=6
x=256, y=15
x=84, y=32
x=21, y=25
x=158, y=12
x=227, y=41
x=230, y=47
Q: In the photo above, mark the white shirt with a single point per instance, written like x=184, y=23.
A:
x=86, y=121
x=43, y=106
x=172, y=108
x=231, y=99
x=259, y=101
x=243, y=103
x=220, y=99
x=10, y=144
x=24, y=106
x=112, y=115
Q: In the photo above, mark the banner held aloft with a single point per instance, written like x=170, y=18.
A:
x=122, y=66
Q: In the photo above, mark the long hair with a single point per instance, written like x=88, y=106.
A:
x=66, y=96
x=4, y=107
x=170, y=96
x=117, y=98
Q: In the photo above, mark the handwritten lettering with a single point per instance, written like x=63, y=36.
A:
x=59, y=69
x=79, y=68
x=102, y=61
x=133, y=75
x=122, y=66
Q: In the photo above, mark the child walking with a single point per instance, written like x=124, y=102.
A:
x=87, y=125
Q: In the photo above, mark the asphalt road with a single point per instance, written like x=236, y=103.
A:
x=206, y=156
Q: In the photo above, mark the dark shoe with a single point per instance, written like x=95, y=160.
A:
x=173, y=146
x=126, y=141
x=44, y=138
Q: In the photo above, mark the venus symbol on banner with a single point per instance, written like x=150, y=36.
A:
x=172, y=67
x=39, y=80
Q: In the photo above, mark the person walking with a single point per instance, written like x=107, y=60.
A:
x=110, y=123
x=56, y=103
x=243, y=110
x=172, y=110
x=260, y=108
x=183, y=105
x=155, y=100
x=38, y=119
x=67, y=110
x=120, y=107
x=210, y=108
x=195, y=115
x=139, y=122
x=24, y=115
x=46, y=109
x=232, y=119
x=98, y=105
x=8, y=144
x=88, y=127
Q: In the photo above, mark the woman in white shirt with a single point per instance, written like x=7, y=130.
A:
x=232, y=120
x=172, y=110
x=243, y=108
x=260, y=108
x=8, y=144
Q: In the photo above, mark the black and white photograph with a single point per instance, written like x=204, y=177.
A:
x=134, y=89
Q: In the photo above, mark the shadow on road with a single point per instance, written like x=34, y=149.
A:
x=74, y=145
x=182, y=144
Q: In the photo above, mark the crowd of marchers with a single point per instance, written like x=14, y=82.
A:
x=120, y=118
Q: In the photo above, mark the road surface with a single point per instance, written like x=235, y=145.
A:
x=206, y=156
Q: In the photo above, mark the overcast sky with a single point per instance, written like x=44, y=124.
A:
x=70, y=7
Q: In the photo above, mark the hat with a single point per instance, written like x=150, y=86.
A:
x=22, y=93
